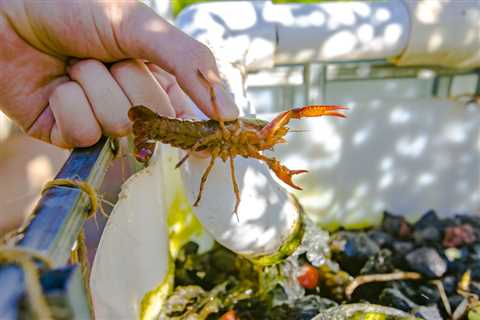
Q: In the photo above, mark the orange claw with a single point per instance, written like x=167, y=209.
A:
x=282, y=172
x=286, y=176
x=308, y=111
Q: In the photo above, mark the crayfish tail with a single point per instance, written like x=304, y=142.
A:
x=141, y=113
x=145, y=123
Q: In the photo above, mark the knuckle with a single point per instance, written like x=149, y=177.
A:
x=119, y=129
x=123, y=66
x=83, y=66
x=64, y=90
x=84, y=138
x=169, y=78
x=204, y=51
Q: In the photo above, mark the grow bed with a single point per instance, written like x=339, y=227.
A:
x=427, y=270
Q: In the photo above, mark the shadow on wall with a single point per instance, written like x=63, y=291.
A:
x=405, y=156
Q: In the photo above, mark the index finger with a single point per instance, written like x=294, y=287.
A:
x=174, y=51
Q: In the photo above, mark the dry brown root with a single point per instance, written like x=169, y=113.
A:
x=361, y=280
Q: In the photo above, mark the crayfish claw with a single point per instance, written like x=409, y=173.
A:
x=282, y=172
x=287, y=176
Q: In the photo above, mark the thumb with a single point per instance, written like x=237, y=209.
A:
x=144, y=34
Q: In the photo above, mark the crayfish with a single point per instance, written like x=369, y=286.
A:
x=244, y=137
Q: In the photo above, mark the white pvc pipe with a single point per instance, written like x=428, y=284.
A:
x=261, y=34
x=444, y=33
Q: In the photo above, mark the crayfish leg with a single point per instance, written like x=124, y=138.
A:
x=282, y=172
x=204, y=179
x=213, y=96
x=236, y=190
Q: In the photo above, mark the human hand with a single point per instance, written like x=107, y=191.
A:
x=55, y=82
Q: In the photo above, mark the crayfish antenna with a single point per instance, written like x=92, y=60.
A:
x=305, y=112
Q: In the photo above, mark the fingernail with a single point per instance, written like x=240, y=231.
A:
x=227, y=108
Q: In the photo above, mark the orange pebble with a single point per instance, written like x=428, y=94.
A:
x=229, y=315
x=308, y=277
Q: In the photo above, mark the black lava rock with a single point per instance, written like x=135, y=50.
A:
x=408, y=288
x=356, y=249
x=394, y=298
x=475, y=288
x=427, y=295
x=360, y=246
x=381, y=262
x=427, y=261
x=427, y=235
x=457, y=260
x=309, y=306
x=382, y=239
x=251, y=309
x=455, y=301
x=396, y=225
x=401, y=248
x=475, y=254
x=304, y=308
x=428, y=312
x=475, y=271
x=450, y=284
x=428, y=219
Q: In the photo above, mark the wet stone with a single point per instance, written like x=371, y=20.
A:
x=395, y=225
x=475, y=270
x=250, y=309
x=475, y=288
x=428, y=312
x=394, y=298
x=401, y=248
x=282, y=312
x=304, y=308
x=382, y=239
x=456, y=236
x=357, y=248
x=427, y=235
x=381, y=262
x=408, y=288
x=427, y=261
x=455, y=301
x=466, y=219
x=450, y=284
x=309, y=306
x=428, y=219
x=427, y=294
